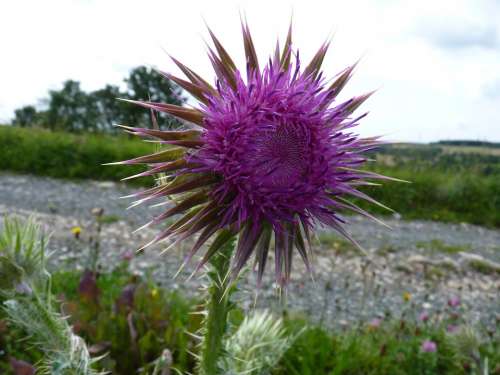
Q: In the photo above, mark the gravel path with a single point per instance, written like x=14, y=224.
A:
x=431, y=261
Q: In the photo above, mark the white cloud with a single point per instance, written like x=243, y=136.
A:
x=427, y=89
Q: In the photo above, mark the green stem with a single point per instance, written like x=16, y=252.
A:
x=217, y=309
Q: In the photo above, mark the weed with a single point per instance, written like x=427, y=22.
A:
x=439, y=246
x=109, y=219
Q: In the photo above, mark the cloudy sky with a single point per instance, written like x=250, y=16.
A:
x=435, y=63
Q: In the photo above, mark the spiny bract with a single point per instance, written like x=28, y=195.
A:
x=267, y=155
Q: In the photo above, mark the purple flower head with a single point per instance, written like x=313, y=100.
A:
x=271, y=154
x=374, y=324
x=428, y=346
x=454, y=301
x=452, y=328
x=424, y=316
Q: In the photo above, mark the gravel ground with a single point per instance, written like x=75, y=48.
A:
x=429, y=260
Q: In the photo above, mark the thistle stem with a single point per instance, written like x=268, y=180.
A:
x=217, y=310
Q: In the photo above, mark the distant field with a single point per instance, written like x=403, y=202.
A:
x=486, y=149
x=449, y=183
x=471, y=150
x=457, y=183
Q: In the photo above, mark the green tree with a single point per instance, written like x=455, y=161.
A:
x=147, y=84
x=25, y=116
x=71, y=109
x=110, y=109
x=29, y=116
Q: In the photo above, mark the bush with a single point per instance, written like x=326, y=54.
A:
x=63, y=155
x=442, y=196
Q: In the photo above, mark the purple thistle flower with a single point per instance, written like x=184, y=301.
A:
x=271, y=155
x=424, y=316
x=428, y=346
x=374, y=324
x=452, y=328
x=454, y=301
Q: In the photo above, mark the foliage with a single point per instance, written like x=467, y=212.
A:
x=140, y=328
x=74, y=110
x=457, y=185
x=469, y=143
x=63, y=155
x=440, y=246
x=134, y=321
x=27, y=116
x=131, y=320
x=71, y=109
x=22, y=256
x=444, y=196
x=394, y=347
x=446, y=187
x=256, y=346
x=27, y=302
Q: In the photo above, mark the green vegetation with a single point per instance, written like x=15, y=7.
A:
x=448, y=183
x=335, y=242
x=130, y=325
x=108, y=219
x=63, y=155
x=134, y=320
x=74, y=110
x=440, y=246
x=485, y=267
x=390, y=348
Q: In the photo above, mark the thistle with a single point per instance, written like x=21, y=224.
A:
x=267, y=154
x=25, y=286
x=270, y=154
x=257, y=345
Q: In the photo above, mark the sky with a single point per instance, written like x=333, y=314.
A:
x=435, y=63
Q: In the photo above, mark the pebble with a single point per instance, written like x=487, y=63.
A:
x=345, y=289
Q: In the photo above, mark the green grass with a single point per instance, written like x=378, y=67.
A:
x=392, y=348
x=484, y=267
x=64, y=155
x=333, y=241
x=446, y=184
x=440, y=246
x=108, y=219
x=103, y=310
x=439, y=195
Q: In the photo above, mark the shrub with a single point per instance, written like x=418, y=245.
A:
x=63, y=155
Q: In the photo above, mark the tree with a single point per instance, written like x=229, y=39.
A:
x=110, y=109
x=71, y=109
x=25, y=116
x=147, y=84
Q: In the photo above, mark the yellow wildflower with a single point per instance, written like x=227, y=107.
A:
x=154, y=293
x=76, y=231
x=406, y=296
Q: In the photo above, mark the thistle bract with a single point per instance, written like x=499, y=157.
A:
x=269, y=155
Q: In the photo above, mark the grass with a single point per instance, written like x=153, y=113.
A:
x=484, y=267
x=108, y=219
x=133, y=320
x=335, y=242
x=394, y=347
x=64, y=155
x=446, y=184
x=440, y=246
